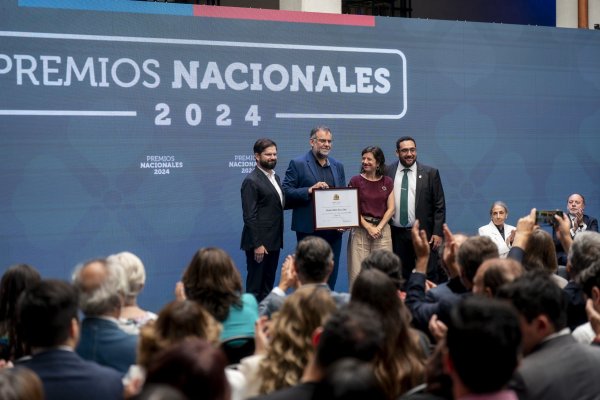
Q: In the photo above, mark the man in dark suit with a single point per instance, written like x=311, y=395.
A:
x=262, y=205
x=314, y=170
x=421, y=186
x=580, y=222
x=555, y=366
x=48, y=322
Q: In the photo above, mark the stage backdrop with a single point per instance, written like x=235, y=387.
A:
x=130, y=125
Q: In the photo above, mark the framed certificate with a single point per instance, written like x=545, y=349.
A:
x=336, y=208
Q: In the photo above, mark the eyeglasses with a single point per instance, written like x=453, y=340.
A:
x=405, y=151
x=323, y=141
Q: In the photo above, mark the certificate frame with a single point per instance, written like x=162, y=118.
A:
x=335, y=208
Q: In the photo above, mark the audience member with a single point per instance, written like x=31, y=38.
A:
x=474, y=251
x=135, y=273
x=540, y=255
x=494, y=273
x=555, y=365
x=376, y=206
x=48, y=321
x=194, y=367
x=177, y=321
x=400, y=365
x=15, y=281
x=438, y=384
x=502, y=234
x=311, y=264
x=159, y=392
x=446, y=289
x=351, y=331
x=101, y=287
x=483, y=335
x=280, y=362
x=20, y=383
x=584, y=251
x=387, y=262
x=579, y=222
x=212, y=280
x=589, y=280
x=350, y=379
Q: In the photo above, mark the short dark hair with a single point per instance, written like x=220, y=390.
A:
x=535, y=294
x=473, y=252
x=483, y=331
x=313, y=259
x=379, y=158
x=46, y=311
x=262, y=144
x=194, y=367
x=387, y=262
x=404, y=139
x=351, y=331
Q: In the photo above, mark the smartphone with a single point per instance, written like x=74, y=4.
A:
x=546, y=217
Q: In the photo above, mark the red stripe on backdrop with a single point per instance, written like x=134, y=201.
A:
x=283, y=16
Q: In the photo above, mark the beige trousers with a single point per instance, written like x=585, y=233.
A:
x=360, y=245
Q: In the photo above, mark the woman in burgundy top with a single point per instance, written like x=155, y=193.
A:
x=376, y=206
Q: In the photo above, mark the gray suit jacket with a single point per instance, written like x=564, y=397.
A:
x=274, y=301
x=559, y=369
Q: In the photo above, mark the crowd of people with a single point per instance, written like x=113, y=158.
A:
x=430, y=314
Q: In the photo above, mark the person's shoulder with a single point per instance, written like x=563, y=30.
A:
x=300, y=391
x=426, y=168
x=249, y=299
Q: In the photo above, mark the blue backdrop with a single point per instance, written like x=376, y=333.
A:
x=133, y=129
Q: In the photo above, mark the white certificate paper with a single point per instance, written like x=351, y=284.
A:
x=336, y=208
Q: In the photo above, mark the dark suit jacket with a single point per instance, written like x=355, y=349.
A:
x=561, y=255
x=301, y=174
x=67, y=376
x=559, y=369
x=430, y=204
x=263, y=212
x=104, y=342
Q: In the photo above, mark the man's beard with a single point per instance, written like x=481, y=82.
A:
x=268, y=164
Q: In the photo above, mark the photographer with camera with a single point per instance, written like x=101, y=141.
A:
x=580, y=222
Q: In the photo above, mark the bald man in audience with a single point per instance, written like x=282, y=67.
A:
x=494, y=273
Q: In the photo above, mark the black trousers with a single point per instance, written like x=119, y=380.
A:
x=403, y=247
x=261, y=276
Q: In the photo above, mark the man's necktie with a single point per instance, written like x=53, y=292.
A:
x=404, y=198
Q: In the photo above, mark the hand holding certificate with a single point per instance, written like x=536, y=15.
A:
x=336, y=208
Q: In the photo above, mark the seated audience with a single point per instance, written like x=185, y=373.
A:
x=584, y=251
x=494, y=273
x=387, y=262
x=474, y=251
x=540, y=255
x=212, y=280
x=101, y=287
x=400, y=365
x=555, y=366
x=446, y=289
x=15, y=280
x=351, y=331
x=350, y=379
x=48, y=321
x=589, y=280
x=501, y=233
x=280, y=362
x=20, y=383
x=131, y=313
x=194, y=367
x=312, y=264
x=483, y=335
x=578, y=222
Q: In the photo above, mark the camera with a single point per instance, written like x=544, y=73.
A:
x=546, y=217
